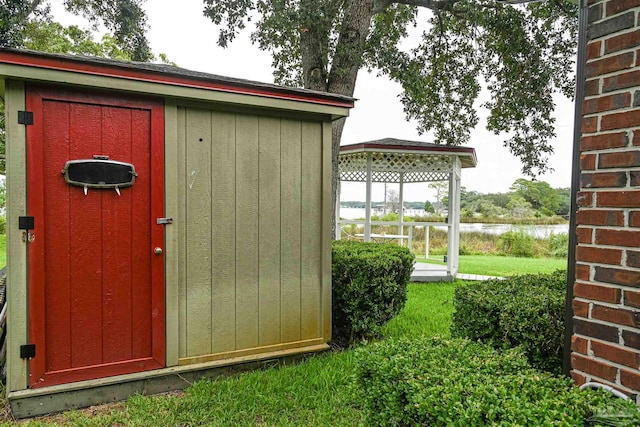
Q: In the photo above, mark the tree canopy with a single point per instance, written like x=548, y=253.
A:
x=21, y=21
x=522, y=54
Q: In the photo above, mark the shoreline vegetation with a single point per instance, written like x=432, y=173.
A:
x=516, y=243
x=547, y=220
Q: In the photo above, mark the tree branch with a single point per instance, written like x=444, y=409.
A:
x=380, y=5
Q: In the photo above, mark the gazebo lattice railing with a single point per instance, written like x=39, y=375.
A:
x=398, y=161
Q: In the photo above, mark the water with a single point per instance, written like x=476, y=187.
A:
x=539, y=231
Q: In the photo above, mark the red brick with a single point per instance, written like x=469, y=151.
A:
x=634, y=179
x=599, y=217
x=609, y=65
x=584, y=235
x=589, y=125
x=619, y=199
x=596, y=292
x=602, y=142
x=592, y=87
x=628, y=119
x=579, y=344
x=630, y=379
x=603, y=180
x=617, y=276
x=619, y=316
x=578, y=378
x=634, y=218
x=632, y=298
x=623, y=41
x=621, y=81
x=606, y=103
x=631, y=339
x=594, y=367
x=585, y=199
x=618, y=6
x=598, y=255
x=594, y=49
x=581, y=309
x=587, y=161
x=616, y=354
x=633, y=259
x=620, y=159
x=636, y=136
x=629, y=238
x=582, y=272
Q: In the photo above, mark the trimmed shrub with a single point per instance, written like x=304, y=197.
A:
x=558, y=245
x=525, y=311
x=369, y=288
x=517, y=243
x=437, y=382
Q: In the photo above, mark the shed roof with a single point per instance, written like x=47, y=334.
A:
x=167, y=74
x=389, y=145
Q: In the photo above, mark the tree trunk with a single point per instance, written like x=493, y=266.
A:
x=336, y=137
x=344, y=72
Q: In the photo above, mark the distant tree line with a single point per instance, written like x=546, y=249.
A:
x=526, y=199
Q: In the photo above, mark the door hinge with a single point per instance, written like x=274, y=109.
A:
x=26, y=223
x=164, y=221
x=27, y=351
x=25, y=117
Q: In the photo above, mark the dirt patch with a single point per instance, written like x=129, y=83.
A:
x=91, y=411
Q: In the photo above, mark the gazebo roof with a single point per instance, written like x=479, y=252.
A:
x=396, y=160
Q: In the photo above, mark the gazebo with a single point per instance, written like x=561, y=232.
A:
x=398, y=161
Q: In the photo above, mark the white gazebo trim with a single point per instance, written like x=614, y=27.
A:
x=399, y=161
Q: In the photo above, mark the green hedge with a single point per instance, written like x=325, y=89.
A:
x=369, y=288
x=437, y=382
x=526, y=311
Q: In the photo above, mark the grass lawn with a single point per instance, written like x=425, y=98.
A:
x=493, y=265
x=315, y=392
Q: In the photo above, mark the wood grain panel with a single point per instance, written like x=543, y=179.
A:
x=269, y=231
x=143, y=286
x=223, y=231
x=198, y=233
x=117, y=245
x=326, y=236
x=56, y=193
x=85, y=244
x=182, y=232
x=247, y=231
x=290, y=193
x=17, y=296
x=312, y=224
x=172, y=269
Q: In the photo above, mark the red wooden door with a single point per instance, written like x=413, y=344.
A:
x=96, y=287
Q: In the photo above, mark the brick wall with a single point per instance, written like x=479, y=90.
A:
x=606, y=340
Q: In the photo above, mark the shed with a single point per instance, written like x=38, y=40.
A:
x=400, y=161
x=162, y=224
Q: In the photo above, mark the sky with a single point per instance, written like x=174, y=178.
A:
x=189, y=39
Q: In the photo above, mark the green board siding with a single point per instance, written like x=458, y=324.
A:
x=251, y=207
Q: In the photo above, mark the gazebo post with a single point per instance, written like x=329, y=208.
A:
x=453, y=218
x=451, y=235
x=401, y=211
x=338, y=231
x=367, y=213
